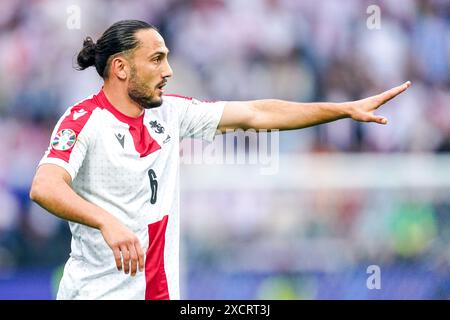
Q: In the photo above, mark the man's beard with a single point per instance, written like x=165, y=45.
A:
x=146, y=102
x=137, y=93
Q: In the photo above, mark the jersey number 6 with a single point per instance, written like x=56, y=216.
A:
x=153, y=185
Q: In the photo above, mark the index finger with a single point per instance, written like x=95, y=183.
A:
x=140, y=254
x=392, y=93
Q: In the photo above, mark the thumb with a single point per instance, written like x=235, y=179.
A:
x=379, y=119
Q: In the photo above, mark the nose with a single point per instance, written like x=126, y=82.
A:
x=168, y=72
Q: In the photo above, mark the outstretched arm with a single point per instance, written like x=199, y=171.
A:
x=285, y=115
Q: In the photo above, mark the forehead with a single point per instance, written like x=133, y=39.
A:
x=150, y=41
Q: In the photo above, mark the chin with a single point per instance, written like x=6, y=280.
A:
x=154, y=103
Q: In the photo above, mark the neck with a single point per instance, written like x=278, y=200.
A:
x=121, y=101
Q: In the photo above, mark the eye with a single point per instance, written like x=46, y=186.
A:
x=157, y=59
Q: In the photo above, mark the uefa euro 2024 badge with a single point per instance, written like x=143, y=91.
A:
x=64, y=140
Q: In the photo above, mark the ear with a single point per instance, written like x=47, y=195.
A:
x=119, y=67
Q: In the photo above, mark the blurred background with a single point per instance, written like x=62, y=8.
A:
x=346, y=196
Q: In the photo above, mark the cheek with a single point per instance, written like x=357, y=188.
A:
x=149, y=69
x=149, y=78
x=144, y=79
x=144, y=70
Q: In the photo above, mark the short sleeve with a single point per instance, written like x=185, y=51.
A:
x=70, y=140
x=197, y=119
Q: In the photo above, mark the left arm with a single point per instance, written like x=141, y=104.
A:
x=285, y=115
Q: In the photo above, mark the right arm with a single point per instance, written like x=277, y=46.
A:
x=51, y=190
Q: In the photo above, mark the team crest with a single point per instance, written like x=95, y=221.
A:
x=64, y=140
x=157, y=127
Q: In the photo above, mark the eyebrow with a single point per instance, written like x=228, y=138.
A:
x=159, y=52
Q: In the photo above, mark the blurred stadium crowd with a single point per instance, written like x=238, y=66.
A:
x=309, y=50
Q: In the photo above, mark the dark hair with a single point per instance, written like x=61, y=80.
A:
x=119, y=37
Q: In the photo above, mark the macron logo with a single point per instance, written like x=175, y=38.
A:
x=79, y=114
x=121, y=138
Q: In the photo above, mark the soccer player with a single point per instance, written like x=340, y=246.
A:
x=112, y=167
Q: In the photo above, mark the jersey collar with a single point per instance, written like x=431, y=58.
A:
x=105, y=103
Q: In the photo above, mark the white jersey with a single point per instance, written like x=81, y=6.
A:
x=129, y=167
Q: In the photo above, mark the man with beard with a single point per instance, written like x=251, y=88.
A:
x=112, y=166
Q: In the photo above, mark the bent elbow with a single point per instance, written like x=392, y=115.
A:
x=48, y=180
x=36, y=192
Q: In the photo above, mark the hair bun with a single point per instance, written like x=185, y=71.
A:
x=86, y=57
